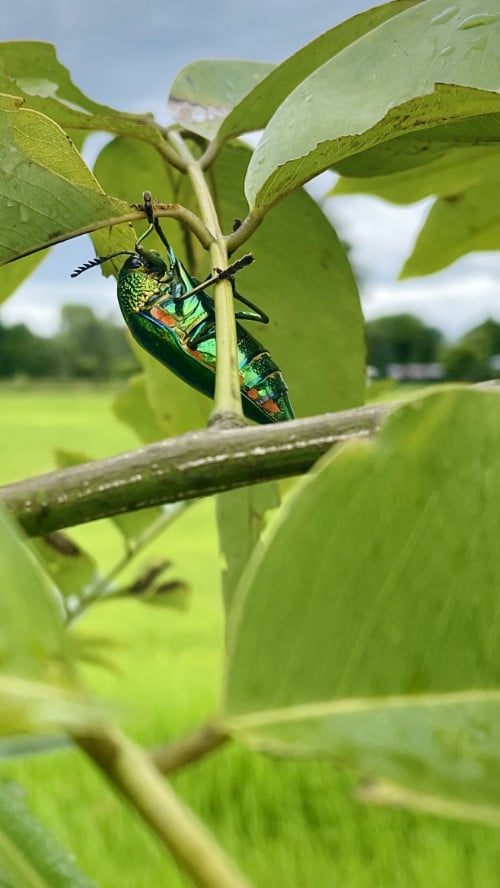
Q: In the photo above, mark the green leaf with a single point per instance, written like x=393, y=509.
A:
x=45, y=185
x=457, y=224
x=28, y=646
x=206, y=91
x=241, y=516
x=449, y=174
x=126, y=168
x=28, y=745
x=367, y=629
x=30, y=69
x=419, y=151
x=441, y=67
x=68, y=565
x=178, y=407
x=230, y=106
x=39, y=689
x=302, y=279
x=131, y=406
x=11, y=276
x=29, y=856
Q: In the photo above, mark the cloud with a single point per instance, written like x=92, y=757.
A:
x=37, y=303
x=453, y=303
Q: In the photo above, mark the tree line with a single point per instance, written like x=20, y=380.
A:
x=91, y=348
x=405, y=339
x=84, y=347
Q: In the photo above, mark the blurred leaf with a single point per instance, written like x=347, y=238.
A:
x=440, y=67
x=126, y=168
x=65, y=459
x=131, y=406
x=151, y=587
x=27, y=745
x=174, y=594
x=220, y=98
x=11, y=276
x=132, y=525
x=206, y=91
x=241, y=516
x=457, y=224
x=30, y=857
x=71, y=568
x=46, y=186
x=36, y=646
x=367, y=628
x=177, y=407
x=38, y=684
x=303, y=280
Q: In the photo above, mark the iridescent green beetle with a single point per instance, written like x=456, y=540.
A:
x=172, y=317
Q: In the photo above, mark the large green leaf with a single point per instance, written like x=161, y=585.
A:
x=302, y=279
x=457, y=224
x=447, y=175
x=38, y=684
x=131, y=406
x=205, y=92
x=431, y=64
x=414, y=153
x=45, y=186
x=241, y=518
x=29, y=856
x=30, y=69
x=215, y=97
x=11, y=276
x=368, y=629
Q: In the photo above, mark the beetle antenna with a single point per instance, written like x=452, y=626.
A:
x=98, y=260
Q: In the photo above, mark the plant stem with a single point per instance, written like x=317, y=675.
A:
x=227, y=399
x=186, y=467
x=178, y=753
x=130, y=770
x=189, y=466
x=102, y=588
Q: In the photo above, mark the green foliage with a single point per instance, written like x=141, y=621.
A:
x=400, y=339
x=338, y=111
x=85, y=347
x=387, y=662
x=470, y=359
x=24, y=353
x=29, y=856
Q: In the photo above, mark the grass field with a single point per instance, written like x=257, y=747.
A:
x=289, y=824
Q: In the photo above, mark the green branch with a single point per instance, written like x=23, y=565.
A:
x=192, y=465
x=130, y=770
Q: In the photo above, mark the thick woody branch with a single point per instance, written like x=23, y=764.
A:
x=192, y=465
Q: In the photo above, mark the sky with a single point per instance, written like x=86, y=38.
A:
x=126, y=56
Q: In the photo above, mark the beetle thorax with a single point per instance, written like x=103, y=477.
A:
x=136, y=289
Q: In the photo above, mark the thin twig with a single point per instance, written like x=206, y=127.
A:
x=177, y=754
